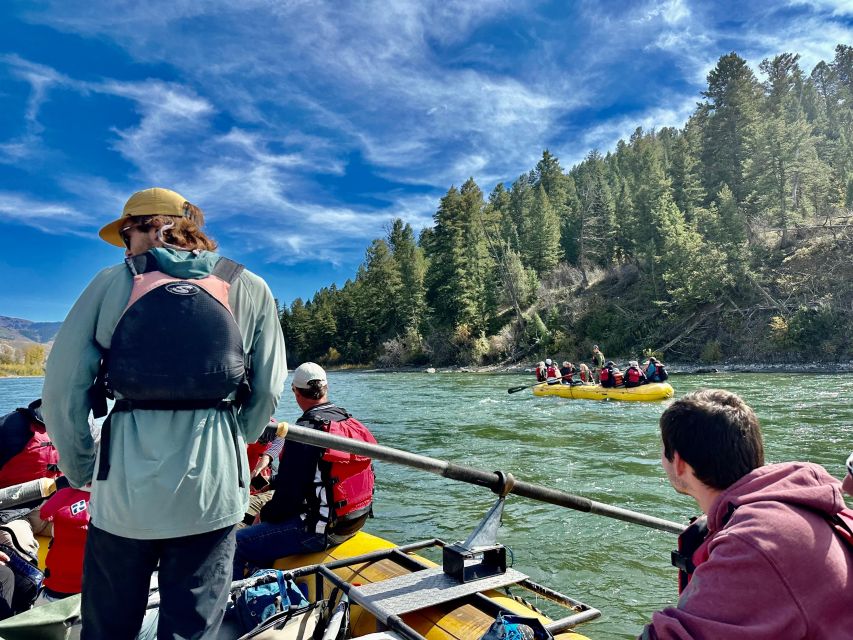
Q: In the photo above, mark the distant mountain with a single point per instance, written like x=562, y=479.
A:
x=18, y=329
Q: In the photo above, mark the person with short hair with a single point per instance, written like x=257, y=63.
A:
x=770, y=565
x=190, y=346
x=304, y=514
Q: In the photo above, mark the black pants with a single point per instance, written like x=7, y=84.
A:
x=194, y=578
x=7, y=590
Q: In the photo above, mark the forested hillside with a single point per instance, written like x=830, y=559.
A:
x=729, y=238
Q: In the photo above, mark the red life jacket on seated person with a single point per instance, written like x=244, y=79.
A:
x=617, y=377
x=632, y=375
x=348, y=477
x=604, y=375
x=37, y=459
x=553, y=372
x=68, y=509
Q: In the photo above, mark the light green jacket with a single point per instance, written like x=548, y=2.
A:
x=172, y=473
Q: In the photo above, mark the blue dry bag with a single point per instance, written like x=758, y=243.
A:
x=512, y=627
x=257, y=603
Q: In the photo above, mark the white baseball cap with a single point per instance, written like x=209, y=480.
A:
x=305, y=373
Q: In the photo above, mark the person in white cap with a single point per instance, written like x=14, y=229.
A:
x=190, y=346
x=634, y=376
x=322, y=497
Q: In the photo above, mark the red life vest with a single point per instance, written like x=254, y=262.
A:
x=553, y=372
x=254, y=451
x=617, y=377
x=348, y=477
x=68, y=509
x=38, y=459
x=632, y=375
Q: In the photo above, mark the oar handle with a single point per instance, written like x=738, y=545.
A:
x=472, y=475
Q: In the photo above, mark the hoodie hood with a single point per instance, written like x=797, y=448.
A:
x=799, y=484
x=185, y=264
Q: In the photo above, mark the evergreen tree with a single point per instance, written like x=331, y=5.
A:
x=733, y=99
x=544, y=238
x=458, y=272
x=411, y=265
x=684, y=169
x=693, y=272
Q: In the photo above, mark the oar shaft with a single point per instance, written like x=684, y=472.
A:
x=472, y=475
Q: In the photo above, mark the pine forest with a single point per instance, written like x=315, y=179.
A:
x=728, y=239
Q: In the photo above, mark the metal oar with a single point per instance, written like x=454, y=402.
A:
x=496, y=481
x=535, y=384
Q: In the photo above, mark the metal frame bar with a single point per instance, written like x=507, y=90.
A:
x=401, y=555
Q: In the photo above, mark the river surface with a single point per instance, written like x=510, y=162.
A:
x=606, y=451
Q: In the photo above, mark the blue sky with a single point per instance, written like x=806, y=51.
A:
x=302, y=128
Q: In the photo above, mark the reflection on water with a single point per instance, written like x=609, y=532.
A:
x=606, y=451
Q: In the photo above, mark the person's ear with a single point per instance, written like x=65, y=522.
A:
x=678, y=464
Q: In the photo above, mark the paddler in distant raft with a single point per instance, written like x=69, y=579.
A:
x=189, y=344
x=770, y=558
x=321, y=497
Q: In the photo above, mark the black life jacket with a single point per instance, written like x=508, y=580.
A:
x=688, y=543
x=176, y=346
x=177, y=339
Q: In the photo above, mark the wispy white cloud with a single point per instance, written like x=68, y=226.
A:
x=50, y=217
x=834, y=7
x=272, y=97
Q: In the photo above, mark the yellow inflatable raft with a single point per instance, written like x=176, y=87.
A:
x=644, y=393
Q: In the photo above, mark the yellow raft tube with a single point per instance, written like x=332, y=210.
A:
x=644, y=393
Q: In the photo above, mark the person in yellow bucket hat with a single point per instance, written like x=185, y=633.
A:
x=189, y=345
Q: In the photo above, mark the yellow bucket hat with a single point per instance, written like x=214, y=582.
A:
x=148, y=202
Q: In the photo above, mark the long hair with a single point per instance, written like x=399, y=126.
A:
x=182, y=232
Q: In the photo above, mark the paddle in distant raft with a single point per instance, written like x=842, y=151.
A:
x=535, y=384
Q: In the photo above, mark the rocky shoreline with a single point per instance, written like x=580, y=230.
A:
x=673, y=368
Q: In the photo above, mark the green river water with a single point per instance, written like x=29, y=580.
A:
x=606, y=451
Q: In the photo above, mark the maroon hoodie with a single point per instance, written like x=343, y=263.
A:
x=775, y=567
